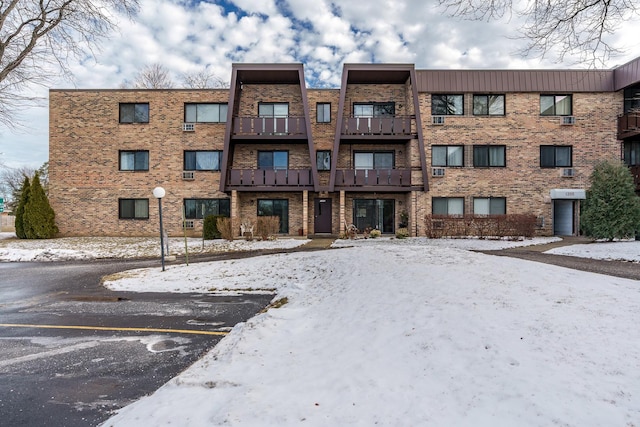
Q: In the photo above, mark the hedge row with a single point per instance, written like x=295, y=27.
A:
x=483, y=226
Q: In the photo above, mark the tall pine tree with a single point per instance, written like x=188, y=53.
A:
x=19, y=213
x=39, y=218
x=611, y=209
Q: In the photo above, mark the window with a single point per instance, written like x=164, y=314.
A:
x=631, y=99
x=555, y=105
x=447, y=206
x=632, y=153
x=374, y=213
x=134, y=160
x=202, y=160
x=200, y=208
x=278, y=208
x=134, y=113
x=323, y=160
x=447, y=155
x=273, y=109
x=488, y=105
x=552, y=156
x=374, y=109
x=489, y=206
x=205, y=113
x=374, y=160
x=489, y=156
x=133, y=208
x=323, y=112
x=273, y=160
x=446, y=105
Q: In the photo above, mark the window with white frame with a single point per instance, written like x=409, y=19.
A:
x=205, y=113
x=137, y=160
x=489, y=206
x=447, y=205
x=323, y=112
x=447, y=155
x=202, y=160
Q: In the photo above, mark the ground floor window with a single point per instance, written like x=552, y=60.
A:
x=133, y=208
x=375, y=214
x=447, y=206
x=489, y=206
x=275, y=207
x=200, y=208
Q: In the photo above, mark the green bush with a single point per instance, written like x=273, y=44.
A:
x=611, y=209
x=19, y=213
x=39, y=218
x=210, y=227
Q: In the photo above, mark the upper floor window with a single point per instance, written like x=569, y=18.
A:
x=323, y=160
x=202, y=160
x=134, y=113
x=489, y=156
x=134, y=160
x=323, y=112
x=447, y=206
x=488, y=105
x=133, y=208
x=552, y=156
x=446, y=105
x=632, y=153
x=205, y=113
x=273, y=160
x=631, y=99
x=374, y=160
x=273, y=109
x=555, y=105
x=447, y=155
x=489, y=206
x=374, y=109
x=200, y=208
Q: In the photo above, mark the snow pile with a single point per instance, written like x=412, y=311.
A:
x=407, y=333
x=610, y=251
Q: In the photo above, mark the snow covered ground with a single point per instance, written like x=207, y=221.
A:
x=612, y=251
x=405, y=333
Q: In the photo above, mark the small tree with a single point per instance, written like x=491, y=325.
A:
x=39, y=218
x=210, y=227
x=611, y=209
x=19, y=212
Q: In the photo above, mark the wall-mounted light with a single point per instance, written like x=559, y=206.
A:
x=251, y=152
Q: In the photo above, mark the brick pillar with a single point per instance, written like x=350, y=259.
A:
x=343, y=217
x=235, y=213
x=305, y=213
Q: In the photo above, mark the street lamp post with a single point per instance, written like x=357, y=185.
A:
x=159, y=193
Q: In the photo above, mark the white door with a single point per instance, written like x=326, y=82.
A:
x=563, y=217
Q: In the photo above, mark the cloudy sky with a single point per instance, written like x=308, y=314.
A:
x=188, y=35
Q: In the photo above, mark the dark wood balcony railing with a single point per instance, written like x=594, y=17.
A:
x=387, y=126
x=269, y=127
x=373, y=178
x=635, y=171
x=270, y=178
x=629, y=125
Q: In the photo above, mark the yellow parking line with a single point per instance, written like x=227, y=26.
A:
x=105, y=328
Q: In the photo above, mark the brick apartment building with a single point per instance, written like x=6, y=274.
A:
x=391, y=143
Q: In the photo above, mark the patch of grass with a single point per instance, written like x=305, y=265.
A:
x=117, y=276
x=276, y=304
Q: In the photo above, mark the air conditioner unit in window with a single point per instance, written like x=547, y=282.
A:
x=188, y=175
x=568, y=172
x=437, y=171
x=188, y=223
x=437, y=120
x=567, y=120
x=188, y=127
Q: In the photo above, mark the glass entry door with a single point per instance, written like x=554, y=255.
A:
x=375, y=214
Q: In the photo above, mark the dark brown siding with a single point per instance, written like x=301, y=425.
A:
x=627, y=74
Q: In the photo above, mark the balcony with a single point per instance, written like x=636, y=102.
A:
x=629, y=125
x=269, y=128
x=386, y=127
x=373, y=179
x=269, y=179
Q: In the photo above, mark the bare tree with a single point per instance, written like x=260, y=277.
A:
x=152, y=76
x=38, y=35
x=203, y=79
x=11, y=183
x=556, y=27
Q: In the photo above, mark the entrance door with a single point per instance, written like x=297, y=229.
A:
x=563, y=217
x=322, y=216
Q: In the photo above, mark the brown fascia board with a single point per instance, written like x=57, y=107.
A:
x=556, y=81
x=377, y=73
x=627, y=74
x=268, y=73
